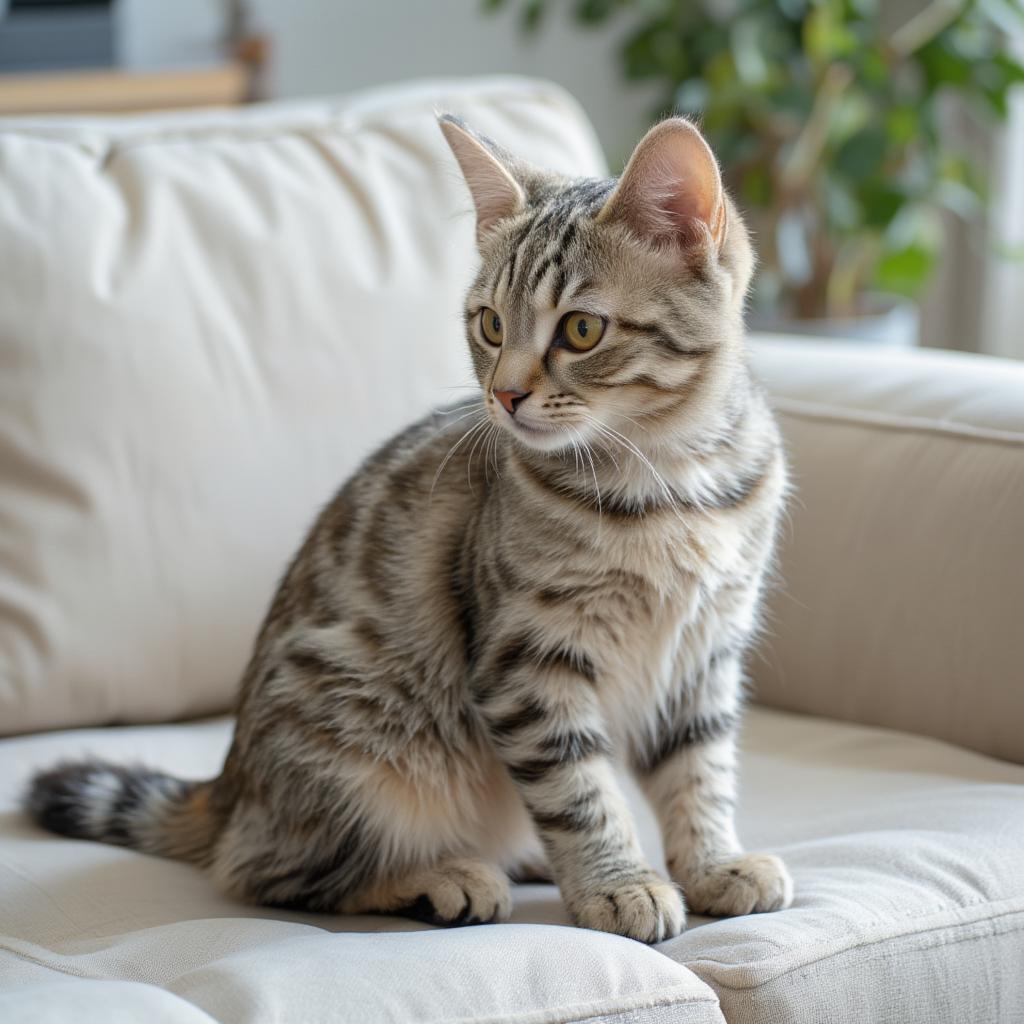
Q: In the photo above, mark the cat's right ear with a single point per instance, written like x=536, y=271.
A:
x=496, y=193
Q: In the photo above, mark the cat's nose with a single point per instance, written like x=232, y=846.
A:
x=511, y=398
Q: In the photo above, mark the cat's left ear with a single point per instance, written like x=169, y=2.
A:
x=496, y=193
x=671, y=189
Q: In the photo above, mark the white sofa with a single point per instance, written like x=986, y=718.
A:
x=206, y=320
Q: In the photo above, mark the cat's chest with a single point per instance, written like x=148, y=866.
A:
x=651, y=627
x=644, y=650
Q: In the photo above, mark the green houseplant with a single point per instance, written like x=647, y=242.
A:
x=832, y=121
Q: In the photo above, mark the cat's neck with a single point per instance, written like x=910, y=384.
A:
x=644, y=462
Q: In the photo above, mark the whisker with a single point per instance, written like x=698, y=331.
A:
x=465, y=405
x=481, y=436
x=487, y=462
x=451, y=451
x=597, y=486
x=629, y=419
x=604, y=449
x=458, y=419
x=495, y=440
x=629, y=451
x=621, y=439
x=593, y=473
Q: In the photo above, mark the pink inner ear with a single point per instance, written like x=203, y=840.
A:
x=671, y=188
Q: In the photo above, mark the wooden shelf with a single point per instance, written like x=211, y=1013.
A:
x=117, y=91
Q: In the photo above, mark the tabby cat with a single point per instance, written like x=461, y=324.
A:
x=516, y=595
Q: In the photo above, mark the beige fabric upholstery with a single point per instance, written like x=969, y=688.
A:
x=908, y=860
x=901, y=599
x=206, y=321
x=155, y=941
x=908, y=857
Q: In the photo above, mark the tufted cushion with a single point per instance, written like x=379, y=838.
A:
x=907, y=853
x=908, y=860
x=154, y=939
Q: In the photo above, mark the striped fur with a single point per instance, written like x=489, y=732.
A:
x=494, y=611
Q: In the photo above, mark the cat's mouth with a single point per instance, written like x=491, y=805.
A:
x=541, y=436
x=534, y=428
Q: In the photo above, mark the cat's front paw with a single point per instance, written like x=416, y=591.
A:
x=750, y=884
x=643, y=907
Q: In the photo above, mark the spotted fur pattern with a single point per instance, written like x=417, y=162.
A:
x=497, y=611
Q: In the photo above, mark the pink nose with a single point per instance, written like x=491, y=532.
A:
x=511, y=398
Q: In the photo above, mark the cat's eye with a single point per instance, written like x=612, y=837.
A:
x=491, y=326
x=582, y=331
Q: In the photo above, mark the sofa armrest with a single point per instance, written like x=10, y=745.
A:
x=900, y=598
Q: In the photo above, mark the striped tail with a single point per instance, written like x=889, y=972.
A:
x=134, y=807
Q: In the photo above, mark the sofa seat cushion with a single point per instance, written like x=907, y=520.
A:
x=908, y=856
x=98, y=933
x=908, y=859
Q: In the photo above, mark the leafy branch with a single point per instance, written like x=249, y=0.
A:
x=832, y=125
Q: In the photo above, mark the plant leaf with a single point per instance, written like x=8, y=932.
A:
x=531, y=15
x=594, y=12
x=905, y=271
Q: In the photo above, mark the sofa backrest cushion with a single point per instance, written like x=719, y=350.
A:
x=206, y=321
x=900, y=598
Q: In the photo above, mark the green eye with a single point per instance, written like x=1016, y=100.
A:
x=582, y=331
x=490, y=326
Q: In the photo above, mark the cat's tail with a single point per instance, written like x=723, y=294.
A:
x=136, y=807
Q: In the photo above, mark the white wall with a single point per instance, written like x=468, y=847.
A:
x=332, y=46
x=169, y=33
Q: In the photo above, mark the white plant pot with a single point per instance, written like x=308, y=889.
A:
x=887, y=320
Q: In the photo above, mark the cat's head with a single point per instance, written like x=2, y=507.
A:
x=600, y=302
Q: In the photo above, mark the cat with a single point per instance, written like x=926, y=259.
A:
x=462, y=651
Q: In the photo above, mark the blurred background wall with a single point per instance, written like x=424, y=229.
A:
x=331, y=46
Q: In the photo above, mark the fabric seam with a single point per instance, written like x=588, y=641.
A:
x=332, y=116
x=863, y=417
x=675, y=996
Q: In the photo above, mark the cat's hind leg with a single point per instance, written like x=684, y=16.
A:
x=354, y=870
x=455, y=891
